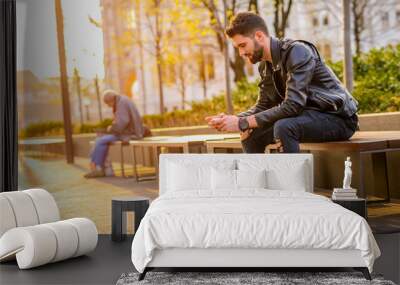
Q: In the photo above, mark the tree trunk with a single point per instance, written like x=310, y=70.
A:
x=78, y=92
x=348, y=60
x=96, y=84
x=159, y=57
x=281, y=12
x=182, y=78
x=203, y=76
x=237, y=66
x=358, y=8
x=69, y=148
x=183, y=87
x=160, y=78
x=138, y=17
x=228, y=95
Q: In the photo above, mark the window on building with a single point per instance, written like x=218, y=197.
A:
x=210, y=67
x=398, y=17
x=169, y=73
x=315, y=21
x=201, y=66
x=385, y=20
x=206, y=66
x=327, y=51
x=326, y=20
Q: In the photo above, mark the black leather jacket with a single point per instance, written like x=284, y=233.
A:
x=298, y=79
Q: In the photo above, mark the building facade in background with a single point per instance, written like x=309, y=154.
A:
x=119, y=54
x=131, y=65
x=321, y=23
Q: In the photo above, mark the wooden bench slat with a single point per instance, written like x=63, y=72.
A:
x=348, y=146
x=361, y=141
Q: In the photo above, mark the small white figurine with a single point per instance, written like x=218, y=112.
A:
x=347, y=174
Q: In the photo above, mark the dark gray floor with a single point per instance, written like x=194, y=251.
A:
x=110, y=259
x=102, y=266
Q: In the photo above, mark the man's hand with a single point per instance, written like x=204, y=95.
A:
x=209, y=118
x=229, y=123
x=244, y=135
x=224, y=123
x=214, y=120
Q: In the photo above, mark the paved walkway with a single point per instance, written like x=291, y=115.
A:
x=77, y=196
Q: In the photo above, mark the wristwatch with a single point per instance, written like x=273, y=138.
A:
x=243, y=124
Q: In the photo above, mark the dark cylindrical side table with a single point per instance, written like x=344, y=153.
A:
x=121, y=205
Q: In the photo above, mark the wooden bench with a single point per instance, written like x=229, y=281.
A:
x=185, y=143
x=122, y=144
x=376, y=144
x=40, y=144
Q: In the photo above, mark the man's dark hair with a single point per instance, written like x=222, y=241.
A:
x=246, y=24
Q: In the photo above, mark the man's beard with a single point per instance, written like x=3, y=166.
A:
x=257, y=54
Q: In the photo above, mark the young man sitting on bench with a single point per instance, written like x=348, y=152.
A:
x=300, y=99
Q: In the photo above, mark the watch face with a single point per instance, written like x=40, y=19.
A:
x=243, y=124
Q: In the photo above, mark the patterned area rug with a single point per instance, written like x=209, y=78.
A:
x=242, y=278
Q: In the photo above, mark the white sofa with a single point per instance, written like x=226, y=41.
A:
x=247, y=210
x=31, y=231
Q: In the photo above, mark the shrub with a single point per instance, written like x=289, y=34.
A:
x=376, y=87
x=91, y=128
x=42, y=129
x=376, y=79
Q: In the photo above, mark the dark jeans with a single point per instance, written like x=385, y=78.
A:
x=309, y=126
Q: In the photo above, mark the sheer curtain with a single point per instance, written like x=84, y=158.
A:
x=8, y=98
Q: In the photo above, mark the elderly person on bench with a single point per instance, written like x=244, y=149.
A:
x=127, y=124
